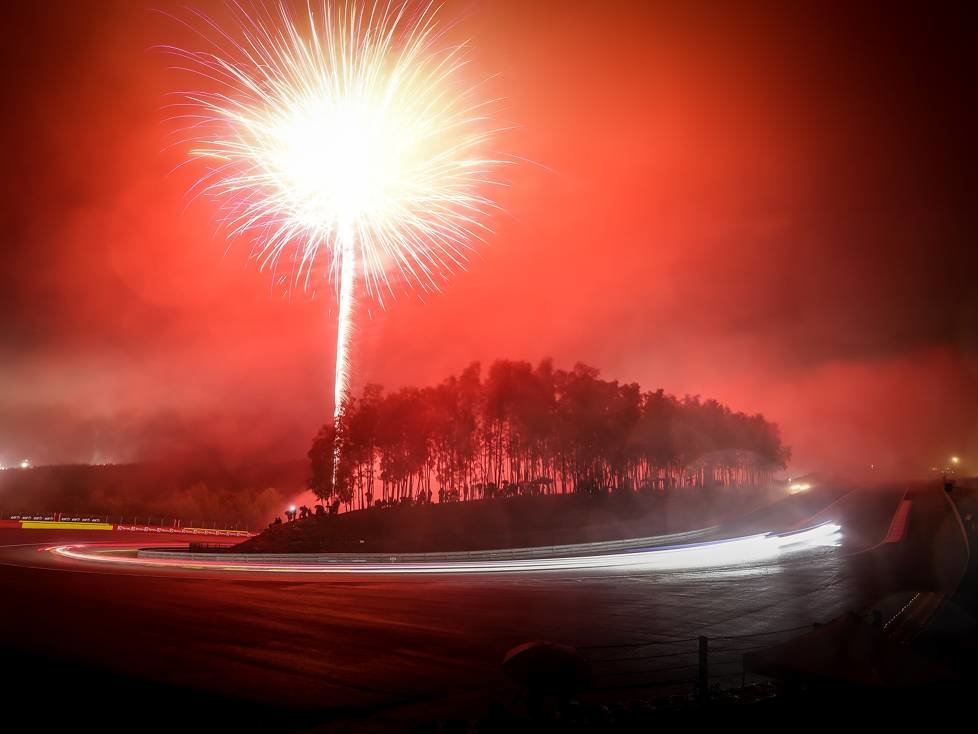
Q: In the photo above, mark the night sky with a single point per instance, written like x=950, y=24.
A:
x=772, y=207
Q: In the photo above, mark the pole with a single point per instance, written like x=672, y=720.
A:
x=703, y=687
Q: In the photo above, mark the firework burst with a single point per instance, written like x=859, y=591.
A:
x=343, y=141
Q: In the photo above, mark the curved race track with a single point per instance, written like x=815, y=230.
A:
x=305, y=647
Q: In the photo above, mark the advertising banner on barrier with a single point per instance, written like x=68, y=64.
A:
x=65, y=521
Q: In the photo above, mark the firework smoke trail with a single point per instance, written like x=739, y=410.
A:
x=344, y=338
x=342, y=140
x=344, y=321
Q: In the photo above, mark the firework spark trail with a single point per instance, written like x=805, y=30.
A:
x=343, y=140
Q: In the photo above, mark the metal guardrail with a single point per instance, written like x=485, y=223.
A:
x=549, y=551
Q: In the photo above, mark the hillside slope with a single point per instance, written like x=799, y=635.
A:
x=507, y=523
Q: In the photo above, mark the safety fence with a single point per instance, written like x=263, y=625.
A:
x=675, y=666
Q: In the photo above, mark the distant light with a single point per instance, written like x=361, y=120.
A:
x=955, y=460
x=292, y=508
x=25, y=464
x=799, y=487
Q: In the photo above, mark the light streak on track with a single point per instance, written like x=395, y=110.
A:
x=748, y=550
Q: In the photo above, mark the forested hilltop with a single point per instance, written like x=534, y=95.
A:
x=519, y=430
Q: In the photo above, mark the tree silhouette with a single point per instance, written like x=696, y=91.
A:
x=526, y=430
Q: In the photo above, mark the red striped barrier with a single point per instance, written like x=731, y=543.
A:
x=898, y=525
x=184, y=531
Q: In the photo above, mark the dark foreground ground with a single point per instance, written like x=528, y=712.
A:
x=127, y=650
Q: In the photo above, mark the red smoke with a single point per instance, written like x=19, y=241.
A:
x=762, y=207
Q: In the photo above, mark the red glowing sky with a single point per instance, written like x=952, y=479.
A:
x=773, y=208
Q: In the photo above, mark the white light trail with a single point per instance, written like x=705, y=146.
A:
x=749, y=550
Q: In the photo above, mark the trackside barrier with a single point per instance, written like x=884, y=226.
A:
x=86, y=525
x=55, y=525
x=83, y=521
x=186, y=531
x=548, y=551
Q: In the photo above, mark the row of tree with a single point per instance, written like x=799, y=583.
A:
x=526, y=430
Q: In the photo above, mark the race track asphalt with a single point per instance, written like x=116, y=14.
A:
x=229, y=649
